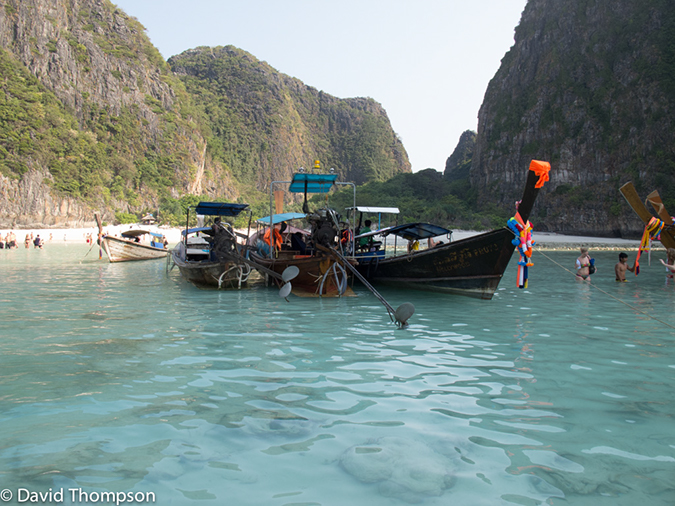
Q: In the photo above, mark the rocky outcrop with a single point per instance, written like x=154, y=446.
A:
x=88, y=52
x=458, y=164
x=269, y=124
x=589, y=86
x=29, y=203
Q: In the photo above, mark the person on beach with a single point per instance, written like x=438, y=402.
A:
x=621, y=267
x=37, y=242
x=26, y=241
x=583, y=264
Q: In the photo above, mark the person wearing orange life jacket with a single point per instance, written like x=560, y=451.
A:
x=346, y=237
x=278, y=239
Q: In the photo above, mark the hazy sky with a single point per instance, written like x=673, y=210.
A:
x=428, y=62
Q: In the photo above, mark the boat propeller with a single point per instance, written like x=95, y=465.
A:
x=403, y=313
x=400, y=316
x=289, y=273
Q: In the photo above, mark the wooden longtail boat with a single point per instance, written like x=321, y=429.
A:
x=125, y=248
x=213, y=256
x=320, y=273
x=667, y=235
x=472, y=267
x=217, y=256
x=128, y=247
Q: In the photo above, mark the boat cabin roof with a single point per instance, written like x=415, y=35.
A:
x=410, y=231
x=139, y=232
x=366, y=209
x=278, y=218
x=219, y=209
x=312, y=183
x=195, y=230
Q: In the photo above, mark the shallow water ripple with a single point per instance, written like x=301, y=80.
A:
x=119, y=378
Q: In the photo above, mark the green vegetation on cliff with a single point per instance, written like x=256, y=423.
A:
x=263, y=125
x=425, y=196
x=103, y=157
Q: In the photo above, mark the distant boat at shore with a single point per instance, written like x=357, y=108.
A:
x=128, y=247
x=125, y=248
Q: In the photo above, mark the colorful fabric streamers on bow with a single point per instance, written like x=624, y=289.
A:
x=652, y=232
x=523, y=241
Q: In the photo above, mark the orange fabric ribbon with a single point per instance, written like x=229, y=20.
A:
x=652, y=230
x=541, y=169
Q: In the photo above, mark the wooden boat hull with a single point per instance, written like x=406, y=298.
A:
x=472, y=267
x=319, y=276
x=122, y=250
x=211, y=274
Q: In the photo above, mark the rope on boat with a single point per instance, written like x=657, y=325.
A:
x=85, y=256
x=244, y=273
x=170, y=263
x=607, y=293
x=242, y=276
x=220, y=279
x=339, y=283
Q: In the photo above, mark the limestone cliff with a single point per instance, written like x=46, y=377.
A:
x=106, y=110
x=589, y=86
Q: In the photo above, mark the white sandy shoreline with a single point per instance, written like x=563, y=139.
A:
x=79, y=235
x=543, y=240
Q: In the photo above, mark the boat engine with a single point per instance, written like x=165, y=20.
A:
x=224, y=242
x=324, y=227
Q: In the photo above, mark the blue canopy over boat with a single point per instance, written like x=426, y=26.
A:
x=312, y=183
x=278, y=218
x=410, y=231
x=195, y=230
x=219, y=209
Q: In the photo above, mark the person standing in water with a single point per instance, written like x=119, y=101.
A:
x=621, y=268
x=583, y=264
x=670, y=264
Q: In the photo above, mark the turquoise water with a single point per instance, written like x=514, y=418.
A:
x=117, y=378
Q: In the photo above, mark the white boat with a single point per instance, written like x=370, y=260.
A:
x=128, y=247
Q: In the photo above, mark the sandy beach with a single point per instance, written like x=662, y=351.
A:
x=543, y=240
x=79, y=235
